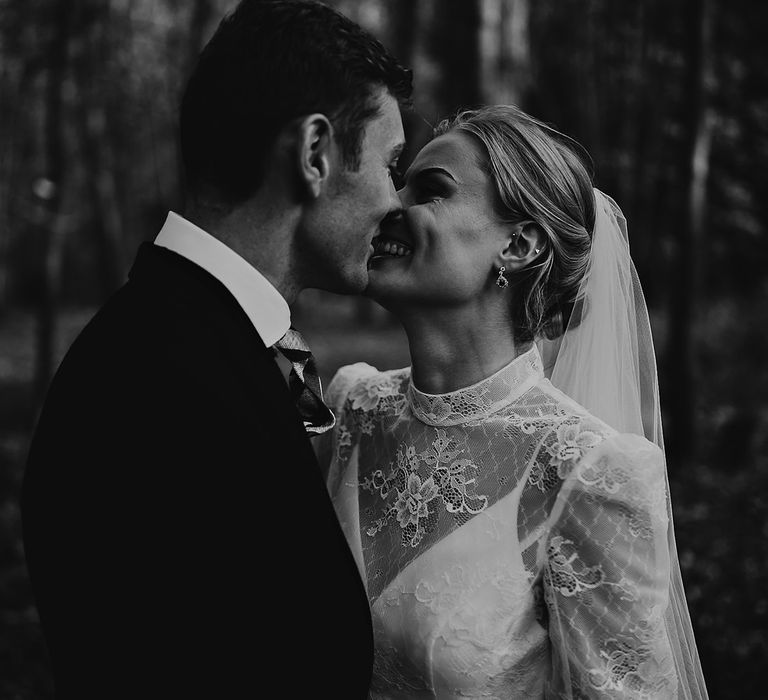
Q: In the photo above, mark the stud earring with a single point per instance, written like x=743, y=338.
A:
x=502, y=281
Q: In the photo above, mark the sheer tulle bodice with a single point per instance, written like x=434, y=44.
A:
x=512, y=545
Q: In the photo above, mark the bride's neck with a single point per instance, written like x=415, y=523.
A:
x=455, y=348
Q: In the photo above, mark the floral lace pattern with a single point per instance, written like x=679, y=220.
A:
x=505, y=519
x=620, y=492
x=367, y=396
x=566, y=574
x=565, y=447
x=407, y=495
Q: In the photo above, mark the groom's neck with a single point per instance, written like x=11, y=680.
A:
x=259, y=232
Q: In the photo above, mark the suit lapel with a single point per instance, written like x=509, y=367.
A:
x=168, y=279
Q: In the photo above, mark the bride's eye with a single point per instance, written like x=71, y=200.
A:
x=431, y=186
x=429, y=194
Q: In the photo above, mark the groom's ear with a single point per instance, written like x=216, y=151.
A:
x=314, y=153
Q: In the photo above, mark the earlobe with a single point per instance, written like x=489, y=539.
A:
x=314, y=152
x=524, y=246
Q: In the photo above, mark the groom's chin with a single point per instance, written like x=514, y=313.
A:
x=377, y=296
x=353, y=282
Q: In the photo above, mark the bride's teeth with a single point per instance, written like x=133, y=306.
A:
x=393, y=248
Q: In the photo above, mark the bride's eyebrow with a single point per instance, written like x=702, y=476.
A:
x=430, y=169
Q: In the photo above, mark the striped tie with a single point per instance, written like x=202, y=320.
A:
x=304, y=383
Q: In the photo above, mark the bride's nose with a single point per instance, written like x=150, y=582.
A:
x=394, y=222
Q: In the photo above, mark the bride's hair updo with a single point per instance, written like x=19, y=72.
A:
x=539, y=178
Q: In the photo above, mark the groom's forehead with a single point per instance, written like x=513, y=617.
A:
x=384, y=131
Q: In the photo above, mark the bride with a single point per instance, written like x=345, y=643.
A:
x=506, y=496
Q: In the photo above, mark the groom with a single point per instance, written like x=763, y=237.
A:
x=179, y=537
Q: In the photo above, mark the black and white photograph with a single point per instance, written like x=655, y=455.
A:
x=383, y=349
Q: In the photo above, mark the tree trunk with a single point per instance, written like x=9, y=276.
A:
x=17, y=77
x=598, y=102
x=91, y=50
x=202, y=12
x=195, y=37
x=9, y=132
x=505, y=51
x=639, y=146
x=48, y=190
x=455, y=45
x=403, y=30
x=682, y=357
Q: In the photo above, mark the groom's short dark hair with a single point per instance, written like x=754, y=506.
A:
x=270, y=62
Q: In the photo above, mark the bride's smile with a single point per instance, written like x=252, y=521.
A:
x=444, y=246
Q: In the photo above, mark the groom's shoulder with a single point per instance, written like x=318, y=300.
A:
x=156, y=332
x=169, y=300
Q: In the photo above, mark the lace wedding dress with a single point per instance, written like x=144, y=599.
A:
x=512, y=545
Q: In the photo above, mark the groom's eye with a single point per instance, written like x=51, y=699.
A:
x=396, y=176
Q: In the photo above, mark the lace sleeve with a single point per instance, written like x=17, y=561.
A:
x=344, y=379
x=606, y=568
x=335, y=396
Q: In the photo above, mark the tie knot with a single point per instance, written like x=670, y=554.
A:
x=292, y=343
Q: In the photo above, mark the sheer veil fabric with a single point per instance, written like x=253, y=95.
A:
x=605, y=361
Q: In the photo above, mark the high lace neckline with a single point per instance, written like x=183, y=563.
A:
x=481, y=399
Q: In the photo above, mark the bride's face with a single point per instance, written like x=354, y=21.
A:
x=450, y=228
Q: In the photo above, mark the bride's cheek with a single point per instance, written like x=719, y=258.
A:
x=418, y=221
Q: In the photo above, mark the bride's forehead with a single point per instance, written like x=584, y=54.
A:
x=454, y=151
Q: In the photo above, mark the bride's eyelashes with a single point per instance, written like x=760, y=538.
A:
x=425, y=188
x=430, y=192
x=429, y=198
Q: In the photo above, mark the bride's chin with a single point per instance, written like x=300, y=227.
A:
x=383, y=286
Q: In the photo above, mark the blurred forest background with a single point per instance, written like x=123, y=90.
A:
x=669, y=96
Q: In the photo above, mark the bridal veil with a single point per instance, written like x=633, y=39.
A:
x=605, y=361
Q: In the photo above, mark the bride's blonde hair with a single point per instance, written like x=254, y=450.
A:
x=539, y=178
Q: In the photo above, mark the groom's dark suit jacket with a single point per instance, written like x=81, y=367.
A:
x=178, y=533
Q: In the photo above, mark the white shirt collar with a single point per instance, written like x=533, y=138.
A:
x=263, y=304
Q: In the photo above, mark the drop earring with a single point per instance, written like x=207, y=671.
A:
x=502, y=281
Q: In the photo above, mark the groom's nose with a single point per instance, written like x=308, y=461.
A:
x=403, y=198
x=394, y=198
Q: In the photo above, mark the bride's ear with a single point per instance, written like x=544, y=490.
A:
x=314, y=153
x=524, y=246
